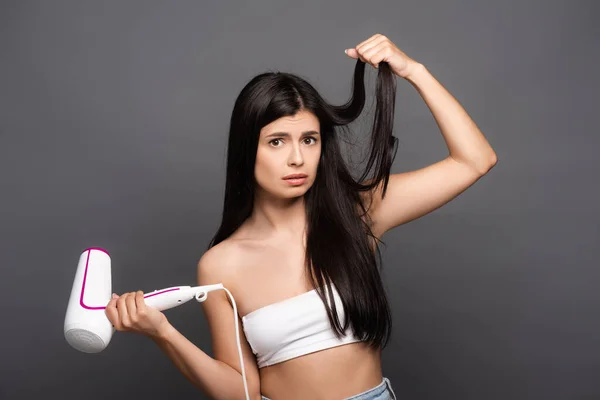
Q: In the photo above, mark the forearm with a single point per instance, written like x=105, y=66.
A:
x=214, y=378
x=465, y=141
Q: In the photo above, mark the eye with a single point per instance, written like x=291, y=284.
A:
x=275, y=142
x=309, y=138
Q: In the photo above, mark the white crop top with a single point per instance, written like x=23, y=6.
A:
x=293, y=327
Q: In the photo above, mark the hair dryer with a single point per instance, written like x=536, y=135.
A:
x=87, y=328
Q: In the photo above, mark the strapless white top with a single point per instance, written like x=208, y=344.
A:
x=293, y=327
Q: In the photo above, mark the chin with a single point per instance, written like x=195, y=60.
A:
x=293, y=193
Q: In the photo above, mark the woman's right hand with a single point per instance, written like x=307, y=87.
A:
x=129, y=313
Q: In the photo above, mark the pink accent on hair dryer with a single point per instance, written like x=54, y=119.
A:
x=87, y=328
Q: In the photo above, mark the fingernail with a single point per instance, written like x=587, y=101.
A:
x=346, y=51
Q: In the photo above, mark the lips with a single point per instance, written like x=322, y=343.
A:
x=295, y=176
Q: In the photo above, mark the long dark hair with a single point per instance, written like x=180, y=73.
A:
x=339, y=248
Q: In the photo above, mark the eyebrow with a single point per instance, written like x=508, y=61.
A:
x=285, y=134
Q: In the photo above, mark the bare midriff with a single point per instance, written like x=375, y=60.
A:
x=334, y=373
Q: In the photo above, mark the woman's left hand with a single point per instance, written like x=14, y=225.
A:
x=379, y=48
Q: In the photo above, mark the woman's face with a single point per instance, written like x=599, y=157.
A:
x=288, y=154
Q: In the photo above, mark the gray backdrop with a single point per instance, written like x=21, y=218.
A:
x=113, y=128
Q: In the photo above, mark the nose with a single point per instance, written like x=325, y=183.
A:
x=295, y=158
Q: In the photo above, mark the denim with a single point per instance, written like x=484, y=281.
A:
x=383, y=391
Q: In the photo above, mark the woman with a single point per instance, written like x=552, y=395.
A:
x=299, y=237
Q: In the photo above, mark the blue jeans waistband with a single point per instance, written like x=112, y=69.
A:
x=383, y=391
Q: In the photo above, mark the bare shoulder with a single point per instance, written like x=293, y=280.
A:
x=218, y=263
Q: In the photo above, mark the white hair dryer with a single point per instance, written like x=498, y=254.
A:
x=87, y=328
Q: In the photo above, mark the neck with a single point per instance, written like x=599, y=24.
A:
x=278, y=216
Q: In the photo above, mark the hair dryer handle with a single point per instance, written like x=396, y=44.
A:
x=174, y=296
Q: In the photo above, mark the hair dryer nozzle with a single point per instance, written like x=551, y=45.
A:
x=87, y=328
